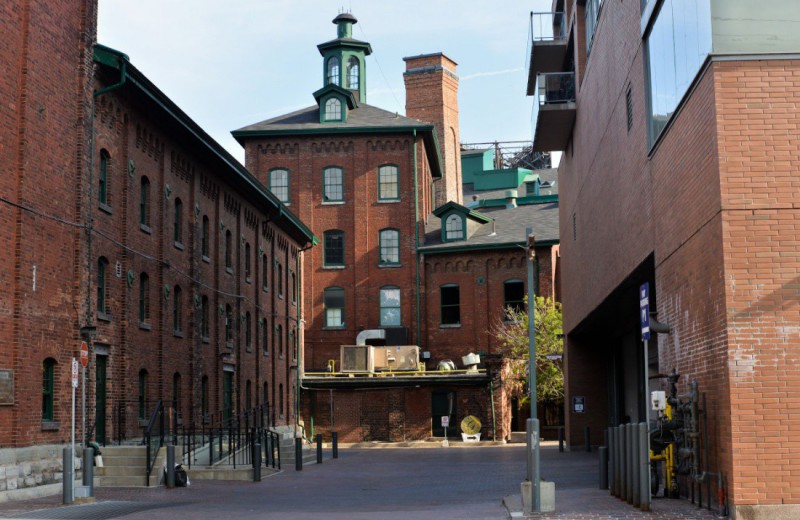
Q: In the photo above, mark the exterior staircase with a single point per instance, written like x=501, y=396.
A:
x=125, y=466
x=287, y=436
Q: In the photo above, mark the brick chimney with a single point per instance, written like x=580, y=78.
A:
x=432, y=96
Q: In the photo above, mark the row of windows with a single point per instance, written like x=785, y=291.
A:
x=388, y=247
x=389, y=304
x=351, y=78
x=333, y=181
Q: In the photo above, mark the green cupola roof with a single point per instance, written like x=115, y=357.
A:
x=343, y=62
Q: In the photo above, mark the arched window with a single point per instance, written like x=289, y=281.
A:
x=454, y=227
x=48, y=385
x=332, y=184
x=144, y=202
x=514, y=295
x=279, y=339
x=144, y=298
x=333, y=70
x=280, y=400
x=177, y=232
x=389, y=246
x=248, y=333
x=247, y=273
x=290, y=343
x=177, y=309
x=228, y=250
x=352, y=73
x=279, y=184
x=102, y=188
x=264, y=272
x=204, y=237
x=450, y=304
x=294, y=288
x=279, y=277
x=102, y=289
x=334, y=307
x=142, y=394
x=333, y=250
x=204, y=397
x=228, y=323
x=333, y=110
x=390, y=306
x=388, y=183
x=204, y=317
x=295, y=344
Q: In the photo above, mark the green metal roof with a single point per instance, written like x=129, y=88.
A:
x=191, y=133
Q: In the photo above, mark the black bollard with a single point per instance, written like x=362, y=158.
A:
x=603, y=469
x=587, y=439
x=170, y=466
x=319, y=448
x=257, y=462
x=561, y=439
x=335, y=444
x=298, y=454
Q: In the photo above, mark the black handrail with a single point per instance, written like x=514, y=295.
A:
x=156, y=419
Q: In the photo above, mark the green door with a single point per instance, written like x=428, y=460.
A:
x=100, y=400
x=227, y=396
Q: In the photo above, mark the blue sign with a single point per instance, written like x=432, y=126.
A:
x=644, y=310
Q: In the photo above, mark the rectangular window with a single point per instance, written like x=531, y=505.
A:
x=333, y=184
x=514, y=296
x=333, y=252
x=144, y=202
x=228, y=250
x=177, y=232
x=629, y=106
x=390, y=307
x=204, y=317
x=204, y=245
x=264, y=272
x=389, y=247
x=451, y=304
x=48, y=373
x=280, y=281
x=102, y=189
x=388, y=184
x=334, y=307
x=677, y=45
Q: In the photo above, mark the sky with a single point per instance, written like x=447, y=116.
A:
x=231, y=63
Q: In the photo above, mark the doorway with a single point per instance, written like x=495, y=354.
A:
x=100, y=399
x=443, y=404
x=227, y=396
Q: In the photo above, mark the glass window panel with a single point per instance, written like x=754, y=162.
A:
x=333, y=110
x=388, y=182
x=454, y=227
x=333, y=189
x=352, y=73
x=279, y=184
x=389, y=246
x=333, y=70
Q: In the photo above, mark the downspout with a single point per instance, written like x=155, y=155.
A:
x=494, y=420
x=416, y=235
x=300, y=323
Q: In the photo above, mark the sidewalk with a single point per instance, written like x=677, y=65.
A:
x=578, y=496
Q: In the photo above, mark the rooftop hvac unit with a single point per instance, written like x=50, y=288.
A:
x=400, y=357
x=357, y=358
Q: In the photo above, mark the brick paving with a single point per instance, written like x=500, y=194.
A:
x=446, y=483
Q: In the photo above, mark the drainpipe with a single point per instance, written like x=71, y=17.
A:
x=300, y=323
x=416, y=235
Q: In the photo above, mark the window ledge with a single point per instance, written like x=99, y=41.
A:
x=266, y=354
x=333, y=267
x=248, y=280
x=229, y=270
x=334, y=328
x=105, y=208
x=280, y=296
x=205, y=340
x=264, y=288
x=143, y=423
x=104, y=316
x=145, y=326
x=388, y=201
x=50, y=426
x=229, y=344
x=389, y=266
x=333, y=202
x=248, y=349
x=449, y=325
x=179, y=245
x=178, y=333
x=206, y=259
x=146, y=229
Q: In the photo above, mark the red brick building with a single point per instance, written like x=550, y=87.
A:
x=680, y=153
x=373, y=185
x=128, y=226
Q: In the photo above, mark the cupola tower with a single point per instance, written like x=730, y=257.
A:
x=343, y=59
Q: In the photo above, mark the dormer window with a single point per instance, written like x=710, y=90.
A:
x=454, y=227
x=352, y=73
x=333, y=110
x=333, y=71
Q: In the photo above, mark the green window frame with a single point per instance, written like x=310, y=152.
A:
x=389, y=301
x=279, y=184
x=332, y=184
x=333, y=249
x=333, y=109
x=333, y=303
x=102, y=188
x=333, y=71
x=389, y=247
x=177, y=309
x=450, y=304
x=388, y=182
x=353, y=68
x=144, y=298
x=204, y=237
x=454, y=227
x=102, y=289
x=279, y=276
x=279, y=339
x=48, y=385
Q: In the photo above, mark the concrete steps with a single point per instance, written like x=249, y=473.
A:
x=125, y=466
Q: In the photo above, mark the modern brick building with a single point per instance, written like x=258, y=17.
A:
x=374, y=186
x=679, y=128
x=126, y=225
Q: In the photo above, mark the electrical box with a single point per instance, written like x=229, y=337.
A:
x=659, y=400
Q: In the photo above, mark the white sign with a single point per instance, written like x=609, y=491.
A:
x=445, y=421
x=75, y=369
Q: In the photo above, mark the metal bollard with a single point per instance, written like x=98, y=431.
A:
x=170, y=466
x=612, y=462
x=628, y=464
x=561, y=439
x=298, y=454
x=620, y=438
x=69, y=476
x=257, y=462
x=644, y=471
x=335, y=444
x=636, y=465
x=88, y=469
x=587, y=439
x=602, y=452
x=319, y=448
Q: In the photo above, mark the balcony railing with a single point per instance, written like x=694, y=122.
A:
x=553, y=110
x=548, y=26
x=555, y=87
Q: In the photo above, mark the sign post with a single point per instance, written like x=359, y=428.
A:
x=84, y=362
x=533, y=423
x=72, y=450
x=445, y=424
x=644, y=319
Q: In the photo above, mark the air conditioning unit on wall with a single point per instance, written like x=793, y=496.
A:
x=357, y=358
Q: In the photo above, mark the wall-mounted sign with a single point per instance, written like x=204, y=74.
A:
x=578, y=404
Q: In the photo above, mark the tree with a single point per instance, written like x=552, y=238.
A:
x=512, y=334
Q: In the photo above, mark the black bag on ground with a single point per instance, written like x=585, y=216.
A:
x=181, y=478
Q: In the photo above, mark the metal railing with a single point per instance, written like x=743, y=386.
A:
x=154, y=437
x=552, y=89
x=548, y=26
x=127, y=420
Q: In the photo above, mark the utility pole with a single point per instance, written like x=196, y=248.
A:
x=533, y=422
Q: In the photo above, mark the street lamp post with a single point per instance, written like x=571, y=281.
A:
x=533, y=422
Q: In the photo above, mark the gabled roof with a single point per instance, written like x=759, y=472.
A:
x=352, y=102
x=189, y=133
x=360, y=120
x=473, y=215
